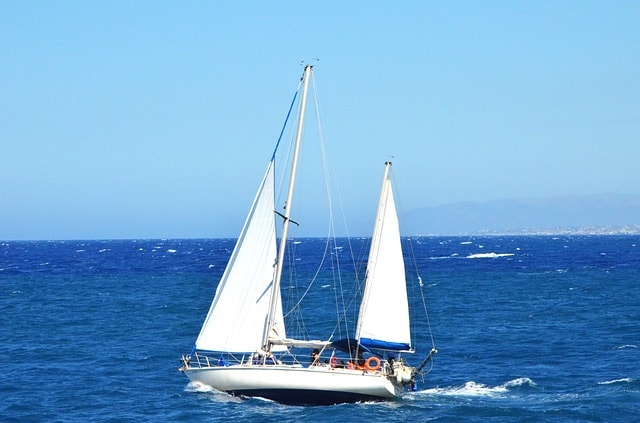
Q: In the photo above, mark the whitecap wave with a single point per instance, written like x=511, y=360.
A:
x=624, y=347
x=622, y=380
x=171, y=250
x=521, y=381
x=489, y=255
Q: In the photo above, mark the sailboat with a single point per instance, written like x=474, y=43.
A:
x=243, y=348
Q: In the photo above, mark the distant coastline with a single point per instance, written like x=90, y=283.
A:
x=576, y=231
x=602, y=214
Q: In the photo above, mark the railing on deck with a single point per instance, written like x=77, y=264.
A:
x=201, y=360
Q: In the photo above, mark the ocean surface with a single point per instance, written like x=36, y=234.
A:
x=527, y=328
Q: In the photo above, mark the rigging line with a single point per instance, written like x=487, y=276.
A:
x=415, y=264
x=356, y=290
x=421, y=290
x=324, y=256
x=424, y=305
x=341, y=315
x=315, y=276
x=341, y=309
x=286, y=120
x=298, y=318
x=357, y=286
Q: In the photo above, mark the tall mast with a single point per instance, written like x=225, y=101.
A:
x=287, y=212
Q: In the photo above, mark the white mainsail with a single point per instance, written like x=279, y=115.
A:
x=238, y=314
x=383, y=321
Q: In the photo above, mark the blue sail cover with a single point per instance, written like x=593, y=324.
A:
x=384, y=345
x=349, y=345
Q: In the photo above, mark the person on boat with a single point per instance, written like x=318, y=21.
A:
x=315, y=357
x=222, y=362
x=360, y=361
x=334, y=361
x=390, y=360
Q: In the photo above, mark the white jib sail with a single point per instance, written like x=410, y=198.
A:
x=237, y=316
x=383, y=321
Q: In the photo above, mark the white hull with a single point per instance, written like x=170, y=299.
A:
x=296, y=384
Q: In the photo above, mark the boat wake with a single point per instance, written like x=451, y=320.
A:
x=198, y=387
x=212, y=393
x=473, y=389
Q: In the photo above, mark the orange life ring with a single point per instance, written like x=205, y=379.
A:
x=372, y=363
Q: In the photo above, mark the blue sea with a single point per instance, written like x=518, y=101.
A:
x=527, y=329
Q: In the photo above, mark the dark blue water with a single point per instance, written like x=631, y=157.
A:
x=527, y=328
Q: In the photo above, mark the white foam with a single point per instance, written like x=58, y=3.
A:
x=466, y=243
x=520, y=382
x=215, y=395
x=623, y=347
x=489, y=255
x=171, y=250
x=198, y=387
x=622, y=380
x=473, y=389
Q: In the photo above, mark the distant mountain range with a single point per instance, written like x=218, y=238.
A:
x=597, y=214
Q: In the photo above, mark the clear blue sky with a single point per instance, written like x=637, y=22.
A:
x=153, y=119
